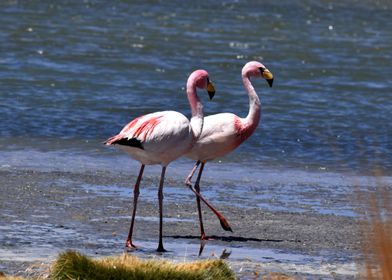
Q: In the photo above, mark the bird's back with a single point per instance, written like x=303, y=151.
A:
x=156, y=138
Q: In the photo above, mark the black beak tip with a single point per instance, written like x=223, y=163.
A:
x=270, y=82
x=211, y=94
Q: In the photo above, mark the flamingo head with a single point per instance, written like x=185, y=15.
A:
x=200, y=79
x=257, y=69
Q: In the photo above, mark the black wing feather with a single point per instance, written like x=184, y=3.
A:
x=133, y=142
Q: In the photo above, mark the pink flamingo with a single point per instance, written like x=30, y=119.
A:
x=224, y=132
x=160, y=138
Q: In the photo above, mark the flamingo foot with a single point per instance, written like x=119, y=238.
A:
x=225, y=224
x=161, y=249
x=203, y=243
x=130, y=245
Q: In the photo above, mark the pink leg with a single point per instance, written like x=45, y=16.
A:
x=160, y=197
x=225, y=225
x=188, y=179
x=129, y=243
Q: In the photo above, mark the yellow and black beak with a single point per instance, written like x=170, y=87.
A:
x=267, y=75
x=210, y=89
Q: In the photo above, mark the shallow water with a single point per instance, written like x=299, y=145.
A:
x=46, y=210
x=278, y=189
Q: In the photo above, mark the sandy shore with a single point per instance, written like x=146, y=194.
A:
x=43, y=213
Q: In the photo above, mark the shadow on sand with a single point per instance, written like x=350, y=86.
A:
x=233, y=238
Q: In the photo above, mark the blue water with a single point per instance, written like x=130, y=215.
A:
x=73, y=73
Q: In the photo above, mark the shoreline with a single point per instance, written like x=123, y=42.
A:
x=48, y=212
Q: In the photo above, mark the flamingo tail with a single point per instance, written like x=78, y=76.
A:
x=121, y=140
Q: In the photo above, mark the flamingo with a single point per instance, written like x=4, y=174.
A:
x=160, y=138
x=224, y=132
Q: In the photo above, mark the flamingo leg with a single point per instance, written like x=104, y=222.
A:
x=203, y=237
x=160, y=197
x=189, y=178
x=136, y=192
x=224, y=223
x=197, y=188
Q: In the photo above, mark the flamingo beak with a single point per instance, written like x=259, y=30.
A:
x=267, y=75
x=270, y=82
x=210, y=90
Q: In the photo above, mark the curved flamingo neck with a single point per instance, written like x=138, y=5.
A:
x=194, y=101
x=250, y=123
x=197, y=109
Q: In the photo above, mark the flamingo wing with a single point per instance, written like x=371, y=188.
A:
x=218, y=128
x=136, y=132
x=220, y=136
x=158, y=135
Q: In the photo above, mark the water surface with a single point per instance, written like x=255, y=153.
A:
x=81, y=71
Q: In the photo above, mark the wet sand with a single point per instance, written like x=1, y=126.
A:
x=43, y=213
